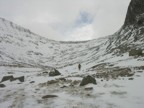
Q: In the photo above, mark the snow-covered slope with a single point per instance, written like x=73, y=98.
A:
x=21, y=47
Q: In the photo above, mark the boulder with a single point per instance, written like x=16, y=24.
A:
x=5, y=78
x=64, y=86
x=32, y=82
x=49, y=96
x=2, y=85
x=54, y=72
x=89, y=88
x=21, y=79
x=45, y=72
x=75, y=82
x=130, y=74
x=130, y=78
x=88, y=79
x=10, y=72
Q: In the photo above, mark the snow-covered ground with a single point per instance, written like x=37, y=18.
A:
x=118, y=93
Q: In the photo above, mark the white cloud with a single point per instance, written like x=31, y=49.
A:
x=85, y=32
x=55, y=18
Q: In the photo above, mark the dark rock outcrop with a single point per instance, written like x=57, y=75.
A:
x=114, y=73
x=88, y=79
x=64, y=86
x=134, y=13
x=2, y=86
x=45, y=72
x=131, y=32
x=32, y=82
x=89, y=88
x=136, y=52
x=11, y=78
x=130, y=78
x=49, y=96
x=5, y=78
x=124, y=72
x=54, y=72
x=62, y=79
x=21, y=79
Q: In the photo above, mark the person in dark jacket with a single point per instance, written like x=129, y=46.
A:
x=79, y=66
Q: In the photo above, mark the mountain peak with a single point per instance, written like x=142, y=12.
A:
x=135, y=13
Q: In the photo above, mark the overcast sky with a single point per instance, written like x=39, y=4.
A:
x=67, y=19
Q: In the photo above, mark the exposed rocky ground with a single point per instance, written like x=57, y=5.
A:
x=65, y=91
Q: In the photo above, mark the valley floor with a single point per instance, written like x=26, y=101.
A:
x=119, y=93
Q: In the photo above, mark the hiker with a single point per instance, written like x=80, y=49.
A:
x=79, y=66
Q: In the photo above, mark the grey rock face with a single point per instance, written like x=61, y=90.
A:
x=135, y=12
